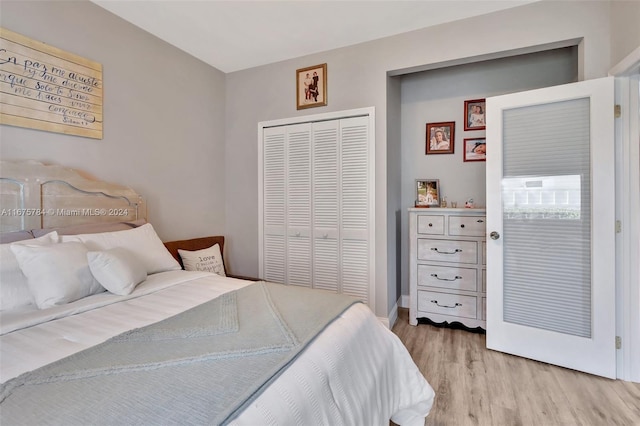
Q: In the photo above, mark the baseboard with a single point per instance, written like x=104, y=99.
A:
x=393, y=315
x=392, y=318
x=384, y=321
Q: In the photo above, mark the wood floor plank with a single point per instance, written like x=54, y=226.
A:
x=476, y=386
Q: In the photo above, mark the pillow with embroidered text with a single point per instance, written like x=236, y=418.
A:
x=208, y=260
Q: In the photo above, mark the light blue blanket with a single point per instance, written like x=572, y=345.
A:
x=202, y=366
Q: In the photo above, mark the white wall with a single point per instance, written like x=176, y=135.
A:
x=357, y=77
x=625, y=28
x=185, y=135
x=163, y=116
x=439, y=95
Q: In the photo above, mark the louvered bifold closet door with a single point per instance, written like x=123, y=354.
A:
x=354, y=206
x=317, y=203
x=274, y=204
x=326, y=250
x=299, y=205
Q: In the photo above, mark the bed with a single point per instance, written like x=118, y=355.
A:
x=178, y=346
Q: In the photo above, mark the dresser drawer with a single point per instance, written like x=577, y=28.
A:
x=447, y=304
x=447, y=277
x=431, y=224
x=448, y=250
x=472, y=226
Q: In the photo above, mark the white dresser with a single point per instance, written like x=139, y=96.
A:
x=447, y=271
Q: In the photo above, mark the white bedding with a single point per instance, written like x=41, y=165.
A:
x=355, y=373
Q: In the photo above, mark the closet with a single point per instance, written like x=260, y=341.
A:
x=316, y=202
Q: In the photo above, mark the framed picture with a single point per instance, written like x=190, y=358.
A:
x=427, y=193
x=311, y=86
x=475, y=149
x=474, y=118
x=440, y=137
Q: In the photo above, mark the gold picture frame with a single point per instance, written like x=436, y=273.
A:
x=311, y=86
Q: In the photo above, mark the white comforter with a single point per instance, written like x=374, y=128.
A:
x=355, y=373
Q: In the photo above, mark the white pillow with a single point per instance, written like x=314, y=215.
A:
x=209, y=260
x=116, y=270
x=14, y=291
x=141, y=242
x=57, y=273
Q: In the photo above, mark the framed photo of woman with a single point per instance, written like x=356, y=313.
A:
x=475, y=149
x=311, y=86
x=474, y=111
x=440, y=137
x=427, y=193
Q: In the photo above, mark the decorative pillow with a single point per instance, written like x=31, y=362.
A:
x=57, y=273
x=117, y=270
x=14, y=291
x=141, y=242
x=209, y=260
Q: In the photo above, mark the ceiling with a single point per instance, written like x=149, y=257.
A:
x=235, y=35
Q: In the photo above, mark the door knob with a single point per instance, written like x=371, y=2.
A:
x=494, y=235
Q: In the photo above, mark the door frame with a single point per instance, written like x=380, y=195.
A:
x=627, y=74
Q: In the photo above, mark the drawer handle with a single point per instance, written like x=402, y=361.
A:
x=430, y=225
x=446, y=252
x=446, y=306
x=462, y=226
x=446, y=279
x=480, y=221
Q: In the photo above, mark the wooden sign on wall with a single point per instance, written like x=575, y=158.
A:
x=46, y=88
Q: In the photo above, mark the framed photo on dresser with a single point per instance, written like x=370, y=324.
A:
x=427, y=193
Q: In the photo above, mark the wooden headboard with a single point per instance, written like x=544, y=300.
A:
x=192, y=245
x=34, y=195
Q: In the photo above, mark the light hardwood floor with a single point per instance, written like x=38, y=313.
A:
x=477, y=386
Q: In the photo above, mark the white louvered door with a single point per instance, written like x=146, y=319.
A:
x=354, y=206
x=326, y=205
x=317, y=205
x=299, y=204
x=273, y=205
x=550, y=219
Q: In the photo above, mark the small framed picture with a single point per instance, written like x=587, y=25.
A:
x=311, y=86
x=474, y=114
x=475, y=149
x=427, y=193
x=440, y=137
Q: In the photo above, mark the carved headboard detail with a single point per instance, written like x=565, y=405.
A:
x=34, y=195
